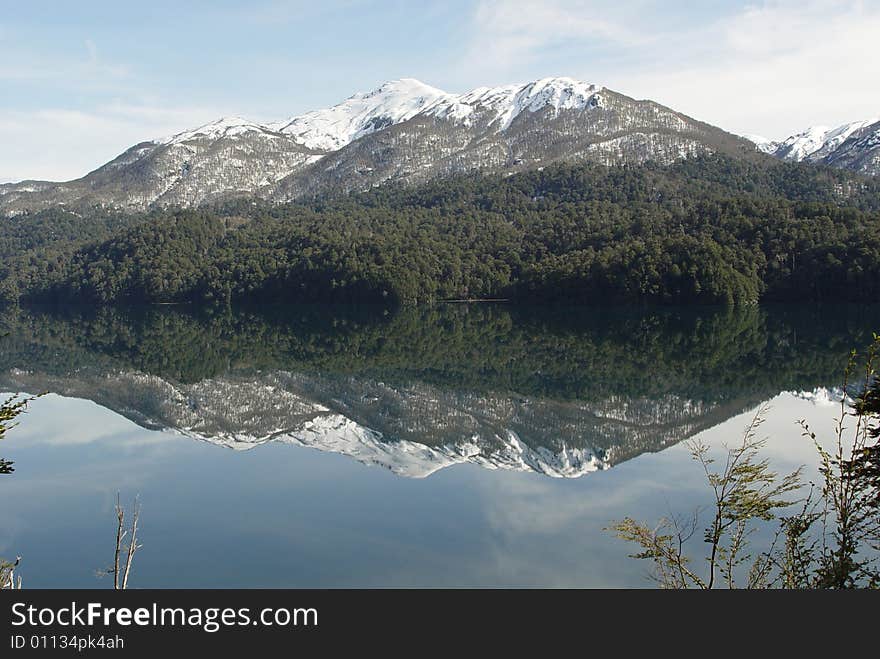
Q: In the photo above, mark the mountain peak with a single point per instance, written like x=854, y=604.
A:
x=364, y=113
x=395, y=101
x=405, y=85
x=223, y=127
x=499, y=106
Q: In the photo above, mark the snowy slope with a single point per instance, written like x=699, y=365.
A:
x=334, y=433
x=397, y=101
x=359, y=115
x=798, y=147
x=854, y=146
x=814, y=144
x=223, y=127
x=817, y=142
x=859, y=152
x=764, y=145
x=500, y=106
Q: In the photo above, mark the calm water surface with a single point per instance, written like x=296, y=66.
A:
x=328, y=447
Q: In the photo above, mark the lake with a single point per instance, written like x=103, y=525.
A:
x=456, y=445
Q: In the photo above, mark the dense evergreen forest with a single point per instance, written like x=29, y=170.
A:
x=704, y=230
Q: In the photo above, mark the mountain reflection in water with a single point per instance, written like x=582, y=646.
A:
x=560, y=392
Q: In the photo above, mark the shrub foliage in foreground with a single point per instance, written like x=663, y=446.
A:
x=829, y=538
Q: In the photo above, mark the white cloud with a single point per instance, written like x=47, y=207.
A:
x=61, y=142
x=507, y=33
x=770, y=68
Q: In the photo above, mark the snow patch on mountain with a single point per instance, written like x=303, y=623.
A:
x=764, y=144
x=818, y=142
x=364, y=113
x=336, y=433
x=820, y=396
x=500, y=106
x=223, y=127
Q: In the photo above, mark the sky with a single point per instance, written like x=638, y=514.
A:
x=82, y=81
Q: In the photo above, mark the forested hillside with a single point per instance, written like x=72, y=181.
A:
x=705, y=230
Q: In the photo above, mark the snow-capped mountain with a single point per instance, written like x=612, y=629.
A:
x=508, y=129
x=404, y=131
x=854, y=145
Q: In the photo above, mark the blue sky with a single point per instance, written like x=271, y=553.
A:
x=81, y=81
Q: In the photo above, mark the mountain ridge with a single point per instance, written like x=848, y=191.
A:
x=409, y=132
x=403, y=131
